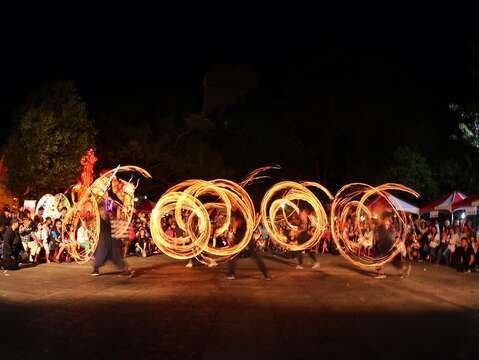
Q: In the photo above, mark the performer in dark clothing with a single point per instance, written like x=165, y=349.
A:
x=10, y=242
x=252, y=250
x=384, y=242
x=305, y=232
x=108, y=248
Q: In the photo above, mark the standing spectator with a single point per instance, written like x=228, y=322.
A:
x=433, y=243
x=10, y=240
x=5, y=217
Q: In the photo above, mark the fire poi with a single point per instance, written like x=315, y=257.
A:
x=191, y=203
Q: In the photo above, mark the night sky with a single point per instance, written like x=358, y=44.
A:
x=437, y=62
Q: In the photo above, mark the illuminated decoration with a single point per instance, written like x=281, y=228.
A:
x=108, y=204
x=85, y=212
x=47, y=202
x=279, y=210
x=61, y=201
x=123, y=190
x=350, y=202
x=83, y=217
x=86, y=178
x=52, y=205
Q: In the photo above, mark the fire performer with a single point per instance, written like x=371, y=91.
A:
x=385, y=239
x=108, y=248
x=253, y=250
x=305, y=231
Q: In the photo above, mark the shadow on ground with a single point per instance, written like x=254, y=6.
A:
x=191, y=329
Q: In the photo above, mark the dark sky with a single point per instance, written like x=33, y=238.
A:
x=437, y=61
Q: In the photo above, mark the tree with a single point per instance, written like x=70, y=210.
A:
x=468, y=124
x=411, y=168
x=53, y=131
x=172, y=149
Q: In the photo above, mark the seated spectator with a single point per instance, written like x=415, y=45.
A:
x=142, y=243
x=443, y=251
x=68, y=241
x=26, y=230
x=37, y=236
x=475, y=251
x=415, y=246
x=82, y=237
x=56, y=238
x=465, y=256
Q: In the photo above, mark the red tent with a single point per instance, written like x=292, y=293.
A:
x=146, y=206
x=446, y=203
x=470, y=201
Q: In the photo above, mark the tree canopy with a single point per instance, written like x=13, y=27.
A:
x=52, y=132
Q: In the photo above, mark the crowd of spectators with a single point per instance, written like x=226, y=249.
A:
x=26, y=237
x=29, y=238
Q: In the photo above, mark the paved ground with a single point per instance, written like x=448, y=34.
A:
x=168, y=311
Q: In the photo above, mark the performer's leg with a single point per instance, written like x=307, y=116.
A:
x=313, y=257
x=232, y=268
x=260, y=262
x=117, y=259
x=380, y=273
x=100, y=259
x=299, y=255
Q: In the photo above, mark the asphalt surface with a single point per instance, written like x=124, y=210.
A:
x=55, y=311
